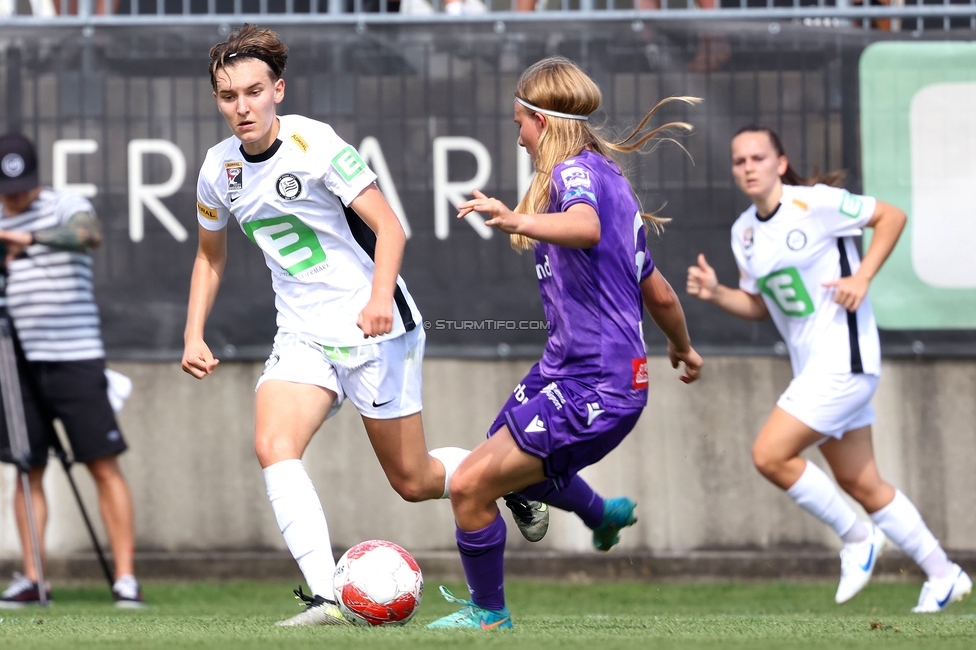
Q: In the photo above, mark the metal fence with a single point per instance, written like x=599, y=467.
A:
x=408, y=92
x=882, y=15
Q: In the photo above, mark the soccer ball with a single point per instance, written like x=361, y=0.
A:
x=378, y=583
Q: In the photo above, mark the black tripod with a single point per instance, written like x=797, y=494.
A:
x=20, y=446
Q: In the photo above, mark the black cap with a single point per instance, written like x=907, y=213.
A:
x=18, y=164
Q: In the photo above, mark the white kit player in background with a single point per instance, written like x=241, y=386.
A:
x=798, y=263
x=347, y=327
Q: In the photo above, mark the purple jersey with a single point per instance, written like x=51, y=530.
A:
x=592, y=296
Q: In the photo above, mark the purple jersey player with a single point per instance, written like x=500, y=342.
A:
x=582, y=219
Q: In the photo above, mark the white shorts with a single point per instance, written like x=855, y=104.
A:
x=383, y=380
x=831, y=404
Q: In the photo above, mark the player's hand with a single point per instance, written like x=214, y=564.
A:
x=702, y=281
x=499, y=216
x=850, y=291
x=16, y=241
x=692, y=360
x=376, y=318
x=198, y=360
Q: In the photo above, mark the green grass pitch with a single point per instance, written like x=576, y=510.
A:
x=546, y=615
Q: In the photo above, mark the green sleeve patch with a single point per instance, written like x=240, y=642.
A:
x=851, y=205
x=348, y=163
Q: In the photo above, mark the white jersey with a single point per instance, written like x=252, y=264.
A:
x=787, y=257
x=292, y=202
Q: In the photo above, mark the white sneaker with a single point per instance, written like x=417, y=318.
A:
x=857, y=562
x=938, y=594
x=128, y=593
x=22, y=592
x=318, y=611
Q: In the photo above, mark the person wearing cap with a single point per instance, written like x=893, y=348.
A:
x=61, y=360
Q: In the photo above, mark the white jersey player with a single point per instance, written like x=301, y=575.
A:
x=798, y=264
x=347, y=327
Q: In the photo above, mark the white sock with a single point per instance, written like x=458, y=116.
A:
x=937, y=564
x=302, y=523
x=450, y=458
x=858, y=533
x=817, y=494
x=903, y=525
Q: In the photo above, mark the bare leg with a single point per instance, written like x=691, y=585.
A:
x=286, y=416
x=115, y=505
x=776, y=452
x=495, y=468
x=402, y=451
x=852, y=460
x=40, y=520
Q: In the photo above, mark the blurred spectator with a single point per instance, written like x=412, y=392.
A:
x=462, y=7
x=40, y=8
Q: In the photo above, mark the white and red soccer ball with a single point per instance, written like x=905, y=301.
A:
x=378, y=583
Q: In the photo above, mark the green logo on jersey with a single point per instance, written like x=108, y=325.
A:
x=289, y=241
x=851, y=205
x=348, y=163
x=786, y=289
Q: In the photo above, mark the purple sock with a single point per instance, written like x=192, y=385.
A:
x=578, y=497
x=483, y=558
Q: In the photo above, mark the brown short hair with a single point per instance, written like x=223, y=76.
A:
x=249, y=41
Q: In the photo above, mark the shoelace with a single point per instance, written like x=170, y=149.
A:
x=312, y=601
x=309, y=601
x=461, y=615
x=451, y=598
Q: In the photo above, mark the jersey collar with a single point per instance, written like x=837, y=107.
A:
x=262, y=157
x=770, y=215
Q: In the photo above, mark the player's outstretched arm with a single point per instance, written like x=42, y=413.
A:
x=578, y=227
x=663, y=305
x=703, y=284
x=208, y=269
x=888, y=223
x=372, y=207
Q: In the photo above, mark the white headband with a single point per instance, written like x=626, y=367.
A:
x=546, y=111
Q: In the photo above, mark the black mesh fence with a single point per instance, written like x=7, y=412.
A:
x=416, y=90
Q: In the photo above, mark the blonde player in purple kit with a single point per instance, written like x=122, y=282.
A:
x=582, y=219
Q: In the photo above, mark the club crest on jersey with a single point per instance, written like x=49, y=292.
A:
x=748, y=239
x=796, y=240
x=288, y=187
x=575, y=177
x=235, y=176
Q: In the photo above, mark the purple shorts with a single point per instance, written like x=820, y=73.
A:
x=568, y=429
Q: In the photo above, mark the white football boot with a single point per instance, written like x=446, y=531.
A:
x=938, y=594
x=857, y=562
x=318, y=611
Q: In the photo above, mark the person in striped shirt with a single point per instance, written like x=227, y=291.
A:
x=47, y=235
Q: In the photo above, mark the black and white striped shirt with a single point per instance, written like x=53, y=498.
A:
x=49, y=291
